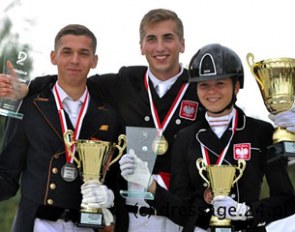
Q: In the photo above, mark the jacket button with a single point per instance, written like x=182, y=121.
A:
x=50, y=202
x=178, y=121
x=54, y=170
x=52, y=186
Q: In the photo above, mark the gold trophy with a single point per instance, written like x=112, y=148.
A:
x=95, y=158
x=276, y=81
x=220, y=178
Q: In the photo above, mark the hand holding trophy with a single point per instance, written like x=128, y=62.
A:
x=137, y=165
x=17, y=74
x=220, y=178
x=135, y=170
x=95, y=158
x=276, y=81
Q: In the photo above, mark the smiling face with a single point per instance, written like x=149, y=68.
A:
x=216, y=95
x=161, y=45
x=74, y=58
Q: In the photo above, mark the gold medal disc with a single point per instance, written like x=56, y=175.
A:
x=160, y=145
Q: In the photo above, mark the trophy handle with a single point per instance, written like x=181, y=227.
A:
x=69, y=142
x=202, y=167
x=122, y=140
x=250, y=61
x=241, y=167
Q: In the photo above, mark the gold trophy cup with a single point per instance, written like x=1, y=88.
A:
x=95, y=158
x=220, y=178
x=276, y=81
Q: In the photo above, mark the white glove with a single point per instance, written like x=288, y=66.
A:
x=226, y=207
x=198, y=229
x=133, y=169
x=285, y=119
x=108, y=216
x=96, y=195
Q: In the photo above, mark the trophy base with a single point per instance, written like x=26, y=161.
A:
x=283, y=149
x=221, y=229
x=11, y=114
x=91, y=220
x=220, y=225
x=137, y=194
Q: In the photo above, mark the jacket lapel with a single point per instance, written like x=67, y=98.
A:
x=143, y=93
x=92, y=121
x=45, y=103
x=209, y=139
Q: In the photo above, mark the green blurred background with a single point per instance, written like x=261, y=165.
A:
x=7, y=208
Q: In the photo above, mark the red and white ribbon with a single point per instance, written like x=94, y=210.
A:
x=221, y=156
x=161, y=126
x=63, y=121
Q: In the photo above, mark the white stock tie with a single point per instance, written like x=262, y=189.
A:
x=73, y=108
x=161, y=89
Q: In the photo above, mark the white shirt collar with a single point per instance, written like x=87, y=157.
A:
x=168, y=82
x=63, y=95
x=220, y=124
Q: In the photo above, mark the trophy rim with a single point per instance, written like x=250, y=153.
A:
x=274, y=60
x=222, y=165
x=95, y=142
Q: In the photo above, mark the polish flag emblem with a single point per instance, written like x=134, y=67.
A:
x=242, y=151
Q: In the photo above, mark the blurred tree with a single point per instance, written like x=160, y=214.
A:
x=10, y=47
x=9, y=207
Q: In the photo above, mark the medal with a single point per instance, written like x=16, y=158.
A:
x=160, y=145
x=69, y=172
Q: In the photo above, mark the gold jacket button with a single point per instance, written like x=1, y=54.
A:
x=52, y=186
x=54, y=170
x=50, y=202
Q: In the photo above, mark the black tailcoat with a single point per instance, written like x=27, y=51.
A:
x=187, y=206
x=33, y=152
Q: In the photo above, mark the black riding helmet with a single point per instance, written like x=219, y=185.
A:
x=215, y=61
